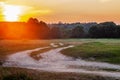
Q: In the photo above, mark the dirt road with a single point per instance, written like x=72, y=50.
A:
x=54, y=61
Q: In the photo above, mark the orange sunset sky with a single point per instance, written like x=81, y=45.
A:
x=53, y=11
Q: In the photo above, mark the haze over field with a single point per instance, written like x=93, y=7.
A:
x=61, y=10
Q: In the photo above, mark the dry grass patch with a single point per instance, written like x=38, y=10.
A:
x=27, y=74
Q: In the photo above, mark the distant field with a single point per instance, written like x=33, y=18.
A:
x=106, y=50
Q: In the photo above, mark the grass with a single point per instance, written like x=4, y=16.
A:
x=35, y=53
x=85, y=48
x=27, y=74
x=99, y=51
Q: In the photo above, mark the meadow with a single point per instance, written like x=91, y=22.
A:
x=103, y=50
x=106, y=50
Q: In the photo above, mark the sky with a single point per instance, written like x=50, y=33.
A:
x=53, y=11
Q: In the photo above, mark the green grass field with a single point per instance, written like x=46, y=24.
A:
x=98, y=50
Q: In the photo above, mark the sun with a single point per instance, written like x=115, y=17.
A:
x=12, y=12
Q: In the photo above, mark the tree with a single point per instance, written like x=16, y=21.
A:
x=66, y=33
x=32, y=21
x=77, y=32
x=55, y=32
x=37, y=30
x=117, y=31
x=93, y=32
x=103, y=30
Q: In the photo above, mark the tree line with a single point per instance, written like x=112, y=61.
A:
x=105, y=30
x=101, y=30
x=34, y=29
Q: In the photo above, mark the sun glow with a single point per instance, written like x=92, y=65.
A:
x=12, y=12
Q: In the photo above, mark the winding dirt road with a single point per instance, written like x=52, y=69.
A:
x=54, y=61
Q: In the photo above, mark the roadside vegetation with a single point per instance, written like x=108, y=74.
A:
x=27, y=74
x=98, y=51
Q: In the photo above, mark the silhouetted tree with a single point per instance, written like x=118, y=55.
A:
x=104, y=30
x=37, y=30
x=55, y=32
x=66, y=33
x=32, y=21
x=77, y=32
x=117, y=31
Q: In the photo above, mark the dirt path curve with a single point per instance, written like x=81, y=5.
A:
x=54, y=61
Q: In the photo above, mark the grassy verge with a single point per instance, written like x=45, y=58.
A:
x=26, y=74
x=99, y=51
